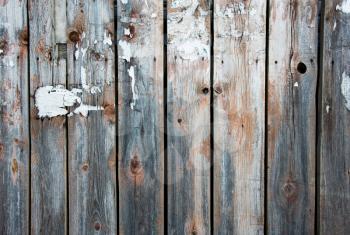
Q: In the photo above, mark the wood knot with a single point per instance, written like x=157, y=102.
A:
x=301, y=67
x=290, y=190
x=205, y=90
x=97, y=226
x=4, y=47
x=218, y=90
x=135, y=165
x=14, y=166
x=74, y=35
x=23, y=37
x=85, y=167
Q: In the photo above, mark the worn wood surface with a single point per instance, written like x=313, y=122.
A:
x=334, y=201
x=188, y=116
x=92, y=135
x=48, y=136
x=14, y=124
x=140, y=112
x=292, y=79
x=239, y=116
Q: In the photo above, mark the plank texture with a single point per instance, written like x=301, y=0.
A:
x=188, y=116
x=239, y=116
x=140, y=112
x=291, y=116
x=91, y=130
x=335, y=120
x=48, y=136
x=14, y=115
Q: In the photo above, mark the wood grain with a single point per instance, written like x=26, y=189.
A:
x=293, y=33
x=14, y=115
x=239, y=116
x=188, y=116
x=48, y=136
x=92, y=136
x=334, y=122
x=140, y=112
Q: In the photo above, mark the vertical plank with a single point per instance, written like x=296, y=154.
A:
x=291, y=116
x=91, y=129
x=14, y=134
x=140, y=112
x=239, y=116
x=48, y=135
x=335, y=119
x=188, y=116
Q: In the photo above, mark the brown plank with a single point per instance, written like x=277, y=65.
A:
x=239, y=116
x=48, y=135
x=140, y=112
x=92, y=126
x=335, y=120
x=14, y=115
x=188, y=116
x=292, y=80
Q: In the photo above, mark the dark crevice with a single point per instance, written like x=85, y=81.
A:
x=29, y=130
x=212, y=117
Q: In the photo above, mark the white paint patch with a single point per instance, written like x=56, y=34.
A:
x=335, y=25
x=95, y=90
x=296, y=84
x=84, y=109
x=328, y=108
x=345, y=89
x=124, y=1
x=52, y=101
x=153, y=15
x=83, y=78
x=1, y=51
x=107, y=39
x=131, y=73
x=125, y=46
x=126, y=31
x=344, y=7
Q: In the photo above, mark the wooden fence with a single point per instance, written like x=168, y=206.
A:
x=238, y=124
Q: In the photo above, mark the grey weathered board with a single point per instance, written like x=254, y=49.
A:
x=92, y=137
x=14, y=123
x=291, y=124
x=102, y=164
x=188, y=116
x=48, y=136
x=140, y=117
x=239, y=114
x=334, y=157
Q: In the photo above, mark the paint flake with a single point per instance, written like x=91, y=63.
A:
x=344, y=7
x=125, y=46
x=84, y=109
x=107, y=39
x=131, y=73
x=345, y=89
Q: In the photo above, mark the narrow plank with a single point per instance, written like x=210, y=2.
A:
x=291, y=116
x=188, y=116
x=335, y=120
x=239, y=116
x=140, y=112
x=14, y=115
x=48, y=135
x=91, y=129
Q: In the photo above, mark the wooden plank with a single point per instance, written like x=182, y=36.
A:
x=239, y=116
x=140, y=112
x=291, y=104
x=48, y=135
x=188, y=116
x=335, y=120
x=14, y=115
x=91, y=129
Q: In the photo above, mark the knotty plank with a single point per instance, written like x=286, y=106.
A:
x=14, y=115
x=334, y=121
x=140, y=112
x=188, y=116
x=292, y=80
x=48, y=135
x=92, y=134
x=239, y=116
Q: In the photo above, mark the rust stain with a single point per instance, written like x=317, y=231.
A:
x=43, y=50
x=2, y=151
x=76, y=30
x=109, y=113
x=23, y=37
x=136, y=169
x=85, y=166
x=14, y=169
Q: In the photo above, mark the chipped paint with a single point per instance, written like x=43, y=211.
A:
x=84, y=109
x=131, y=73
x=124, y=2
x=95, y=90
x=107, y=39
x=125, y=46
x=344, y=7
x=296, y=84
x=328, y=108
x=345, y=89
x=83, y=78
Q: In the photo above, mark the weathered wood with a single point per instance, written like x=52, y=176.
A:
x=14, y=115
x=48, y=136
x=91, y=130
x=335, y=120
x=239, y=116
x=140, y=112
x=292, y=79
x=188, y=116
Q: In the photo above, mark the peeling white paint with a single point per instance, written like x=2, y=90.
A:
x=335, y=25
x=95, y=90
x=124, y=1
x=107, y=39
x=345, y=89
x=131, y=73
x=296, y=84
x=125, y=46
x=95, y=42
x=344, y=7
x=83, y=78
x=328, y=108
x=84, y=109
x=153, y=15
x=127, y=31
x=52, y=101
x=1, y=51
